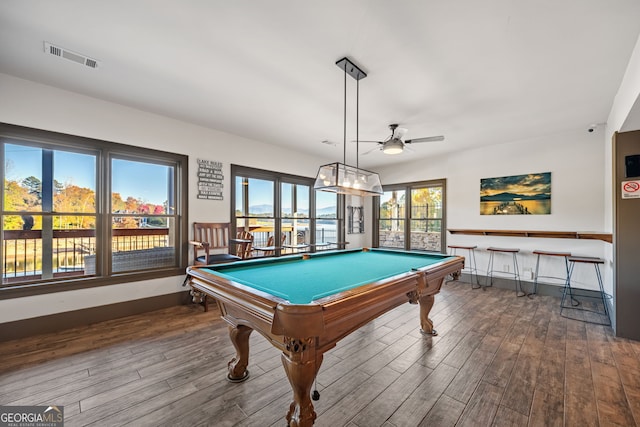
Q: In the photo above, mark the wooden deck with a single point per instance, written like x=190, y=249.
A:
x=498, y=360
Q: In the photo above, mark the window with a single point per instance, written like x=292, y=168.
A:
x=78, y=212
x=391, y=223
x=411, y=216
x=295, y=215
x=327, y=221
x=143, y=222
x=254, y=201
x=283, y=212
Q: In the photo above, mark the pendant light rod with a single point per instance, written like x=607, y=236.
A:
x=357, y=123
x=344, y=118
x=354, y=71
x=341, y=178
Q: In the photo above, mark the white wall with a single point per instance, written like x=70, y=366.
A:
x=627, y=96
x=577, y=189
x=34, y=105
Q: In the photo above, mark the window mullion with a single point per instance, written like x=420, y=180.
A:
x=105, y=218
x=47, y=217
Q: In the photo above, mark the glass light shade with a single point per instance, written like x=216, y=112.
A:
x=344, y=179
x=393, y=146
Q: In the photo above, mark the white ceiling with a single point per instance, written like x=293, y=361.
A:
x=478, y=72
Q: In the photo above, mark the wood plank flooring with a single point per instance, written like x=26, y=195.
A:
x=498, y=361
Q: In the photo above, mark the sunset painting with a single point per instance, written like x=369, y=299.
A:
x=516, y=195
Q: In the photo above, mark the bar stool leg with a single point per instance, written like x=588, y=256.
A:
x=599, y=277
x=516, y=269
x=456, y=275
x=516, y=276
x=489, y=271
x=535, y=279
x=574, y=302
x=471, y=264
x=569, y=272
x=474, y=269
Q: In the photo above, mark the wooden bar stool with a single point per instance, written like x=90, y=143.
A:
x=472, y=268
x=516, y=271
x=574, y=303
x=536, y=275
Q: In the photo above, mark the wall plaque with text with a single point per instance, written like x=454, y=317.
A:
x=210, y=179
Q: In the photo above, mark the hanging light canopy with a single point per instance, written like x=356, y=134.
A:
x=339, y=177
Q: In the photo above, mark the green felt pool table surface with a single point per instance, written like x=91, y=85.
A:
x=301, y=281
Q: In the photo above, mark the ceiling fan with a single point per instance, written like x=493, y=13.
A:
x=394, y=144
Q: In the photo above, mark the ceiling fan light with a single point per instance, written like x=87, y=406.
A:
x=393, y=146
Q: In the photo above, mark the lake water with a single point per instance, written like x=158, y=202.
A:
x=534, y=207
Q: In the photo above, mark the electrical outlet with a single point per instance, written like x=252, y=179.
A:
x=528, y=273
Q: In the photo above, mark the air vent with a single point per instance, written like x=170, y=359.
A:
x=70, y=55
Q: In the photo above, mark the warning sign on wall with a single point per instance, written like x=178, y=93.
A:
x=631, y=189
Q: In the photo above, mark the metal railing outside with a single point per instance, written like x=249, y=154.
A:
x=22, y=250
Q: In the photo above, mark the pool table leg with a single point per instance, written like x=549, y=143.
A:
x=426, y=324
x=238, y=365
x=301, y=363
x=426, y=303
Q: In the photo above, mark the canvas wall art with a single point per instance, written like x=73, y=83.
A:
x=516, y=195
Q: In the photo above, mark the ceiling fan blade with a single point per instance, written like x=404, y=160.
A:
x=398, y=133
x=426, y=139
x=326, y=141
x=370, y=151
x=377, y=142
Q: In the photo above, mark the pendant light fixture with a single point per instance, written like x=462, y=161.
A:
x=339, y=177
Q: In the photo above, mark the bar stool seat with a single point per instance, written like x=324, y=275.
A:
x=472, y=268
x=536, y=275
x=574, y=303
x=516, y=271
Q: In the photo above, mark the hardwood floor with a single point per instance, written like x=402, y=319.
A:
x=498, y=360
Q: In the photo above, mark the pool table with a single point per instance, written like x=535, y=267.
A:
x=304, y=304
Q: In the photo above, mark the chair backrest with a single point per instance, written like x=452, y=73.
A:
x=216, y=234
x=271, y=241
x=244, y=250
x=209, y=236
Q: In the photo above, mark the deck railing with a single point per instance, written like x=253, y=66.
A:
x=22, y=249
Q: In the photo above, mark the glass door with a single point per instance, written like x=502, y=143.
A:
x=426, y=219
x=295, y=224
x=411, y=217
x=391, y=224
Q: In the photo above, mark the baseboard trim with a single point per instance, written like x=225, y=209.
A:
x=71, y=319
x=547, y=289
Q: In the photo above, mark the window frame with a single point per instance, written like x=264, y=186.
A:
x=104, y=152
x=278, y=179
x=407, y=188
